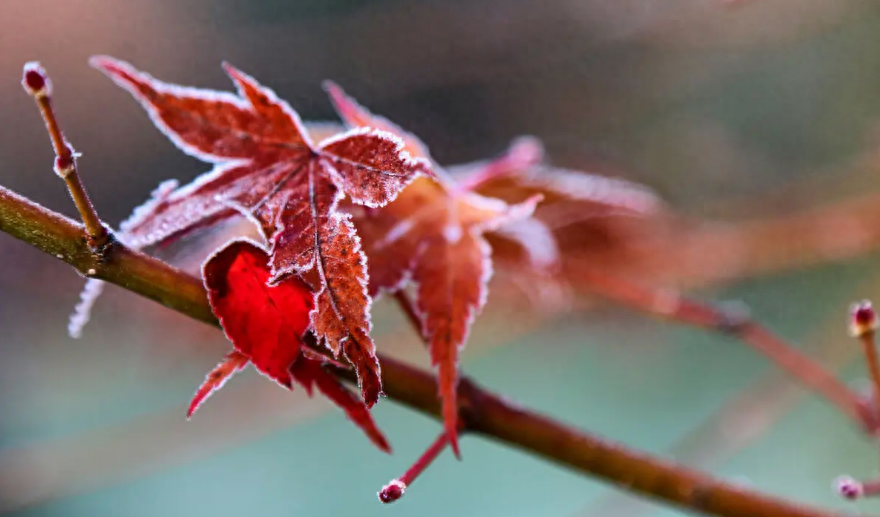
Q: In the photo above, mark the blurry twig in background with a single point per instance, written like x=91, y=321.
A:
x=671, y=305
x=743, y=419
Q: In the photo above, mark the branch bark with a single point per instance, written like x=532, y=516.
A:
x=482, y=411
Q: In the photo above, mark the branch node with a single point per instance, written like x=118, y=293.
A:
x=101, y=248
x=733, y=317
x=65, y=164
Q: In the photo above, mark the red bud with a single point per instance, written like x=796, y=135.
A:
x=35, y=81
x=392, y=491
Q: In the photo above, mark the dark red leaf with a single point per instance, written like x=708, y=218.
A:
x=267, y=167
x=266, y=324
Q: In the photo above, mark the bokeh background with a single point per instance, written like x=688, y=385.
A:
x=755, y=121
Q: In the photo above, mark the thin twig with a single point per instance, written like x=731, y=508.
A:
x=397, y=487
x=485, y=413
x=863, y=326
x=36, y=82
x=734, y=321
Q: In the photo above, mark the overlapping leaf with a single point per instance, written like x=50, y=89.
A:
x=433, y=235
x=266, y=324
x=584, y=219
x=267, y=167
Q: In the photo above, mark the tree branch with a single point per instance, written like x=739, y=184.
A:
x=482, y=412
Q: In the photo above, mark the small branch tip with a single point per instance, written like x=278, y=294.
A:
x=863, y=319
x=395, y=489
x=392, y=491
x=849, y=488
x=853, y=489
x=35, y=80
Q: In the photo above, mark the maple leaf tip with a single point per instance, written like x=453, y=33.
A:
x=107, y=64
x=526, y=208
x=98, y=60
x=453, y=444
x=330, y=86
x=191, y=410
x=234, y=73
x=121, y=72
x=528, y=148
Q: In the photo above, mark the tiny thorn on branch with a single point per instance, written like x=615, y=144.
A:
x=36, y=83
x=395, y=489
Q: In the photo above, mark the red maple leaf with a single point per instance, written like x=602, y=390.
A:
x=266, y=324
x=268, y=169
x=579, y=211
x=432, y=235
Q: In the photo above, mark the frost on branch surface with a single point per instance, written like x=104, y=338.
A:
x=432, y=235
x=266, y=325
x=266, y=166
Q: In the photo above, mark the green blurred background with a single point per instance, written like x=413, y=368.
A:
x=729, y=110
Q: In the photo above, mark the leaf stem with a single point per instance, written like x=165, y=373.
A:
x=485, y=413
x=37, y=83
x=395, y=489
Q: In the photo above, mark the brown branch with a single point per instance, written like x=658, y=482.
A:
x=672, y=306
x=36, y=83
x=482, y=411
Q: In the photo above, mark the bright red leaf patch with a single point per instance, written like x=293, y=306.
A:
x=266, y=324
x=267, y=167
